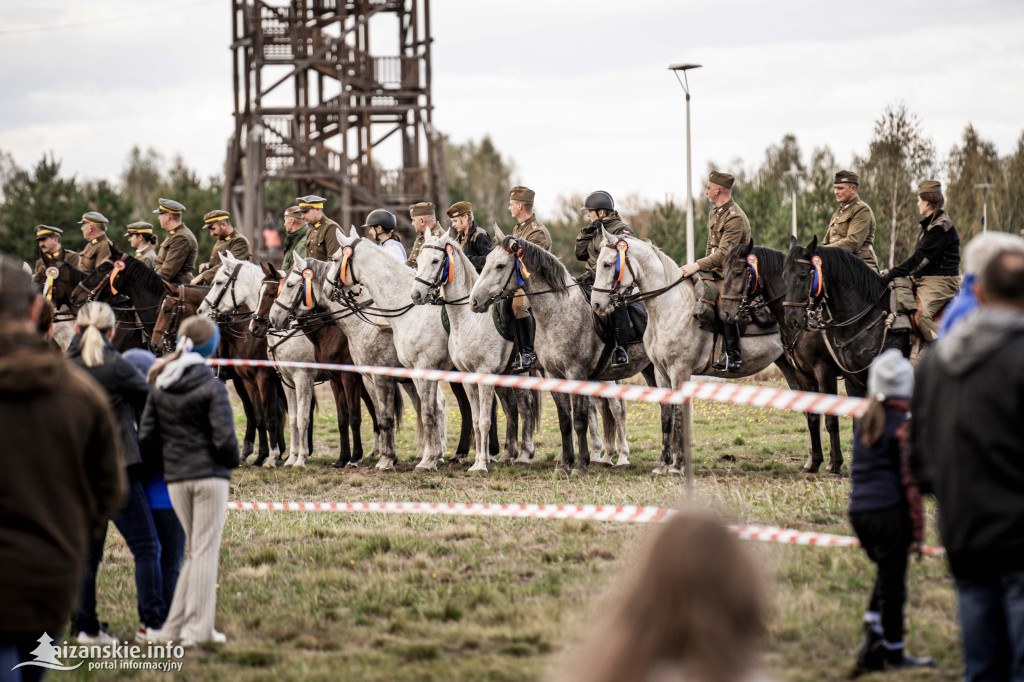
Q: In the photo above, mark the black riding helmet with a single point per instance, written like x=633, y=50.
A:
x=382, y=217
x=598, y=200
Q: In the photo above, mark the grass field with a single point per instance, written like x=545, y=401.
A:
x=372, y=597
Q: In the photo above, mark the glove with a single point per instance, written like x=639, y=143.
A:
x=887, y=276
x=593, y=227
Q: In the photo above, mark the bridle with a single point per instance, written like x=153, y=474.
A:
x=229, y=284
x=342, y=293
x=752, y=290
x=444, y=275
x=179, y=312
x=618, y=288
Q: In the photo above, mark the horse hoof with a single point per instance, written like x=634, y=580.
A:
x=270, y=464
x=504, y=459
x=339, y=465
x=300, y=463
x=660, y=470
x=623, y=463
x=426, y=466
x=578, y=471
x=354, y=464
x=385, y=464
x=524, y=459
x=602, y=462
x=678, y=471
x=478, y=468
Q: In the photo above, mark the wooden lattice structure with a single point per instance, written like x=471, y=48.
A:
x=317, y=102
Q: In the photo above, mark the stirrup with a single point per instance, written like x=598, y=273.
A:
x=525, y=360
x=620, y=357
x=726, y=364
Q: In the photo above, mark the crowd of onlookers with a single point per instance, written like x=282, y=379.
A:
x=98, y=436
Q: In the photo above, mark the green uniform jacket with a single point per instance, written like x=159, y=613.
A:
x=294, y=243
x=437, y=230
x=66, y=255
x=176, y=260
x=588, y=244
x=236, y=244
x=94, y=253
x=727, y=225
x=532, y=230
x=853, y=228
x=147, y=256
x=322, y=240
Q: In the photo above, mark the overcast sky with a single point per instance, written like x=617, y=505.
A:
x=576, y=92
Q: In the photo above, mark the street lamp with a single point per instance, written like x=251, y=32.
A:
x=793, y=173
x=984, y=187
x=676, y=68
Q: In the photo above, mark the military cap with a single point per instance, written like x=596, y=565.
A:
x=521, y=193
x=44, y=231
x=293, y=212
x=929, y=186
x=139, y=228
x=722, y=179
x=216, y=217
x=459, y=208
x=96, y=218
x=169, y=206
x=310, y=201
x=845, y=177
x=422, y=208
x=16, y=290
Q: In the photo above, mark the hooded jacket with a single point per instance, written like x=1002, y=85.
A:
x=189, y=419
x=967, y=445
x=61, y=479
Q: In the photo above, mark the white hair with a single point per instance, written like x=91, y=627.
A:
x=982, y=249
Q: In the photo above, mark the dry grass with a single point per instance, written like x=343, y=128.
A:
x=375, y=597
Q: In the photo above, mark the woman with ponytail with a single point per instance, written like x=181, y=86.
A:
x=189, y=419
x=91, y=349
x=886, y=510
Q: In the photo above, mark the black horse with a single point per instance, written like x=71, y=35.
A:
x=757, y=283
x=829, y=289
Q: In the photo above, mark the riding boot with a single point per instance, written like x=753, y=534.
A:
x=732, y=360
x=870, y=655
x=897, y=659
x=620, y=330
x=525, y=330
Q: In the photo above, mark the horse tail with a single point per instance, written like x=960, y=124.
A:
x=538, y=409
x=399, y=407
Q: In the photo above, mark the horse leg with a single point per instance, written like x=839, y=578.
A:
x=529, y=405
x=606, y=432
x=372, y=411
x=342, y=409
x=798, y=380
x=580, y=422
x=508, y=406
x=829, y=383
x=682, y=421
x=492, y=436
x=259, y=416
x=564, y=408
x=352, y=386
x=266, y=382
x=481, y=398
x=384, y=393
x=250, y=418
x=596, y=445
x=616, y=439
x=466, y=428
x=431, y=448
x=291, y=397
x=442, y=422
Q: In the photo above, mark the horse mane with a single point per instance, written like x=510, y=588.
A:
x=75, y=276
x=668, y=264
x=143, y=274
x=539, y=262
x=769, y=261
x=842, y=268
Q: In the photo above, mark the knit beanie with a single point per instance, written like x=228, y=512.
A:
x=891, y=376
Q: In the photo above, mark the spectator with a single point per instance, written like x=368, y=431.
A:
x=168, y=529
x=189, y=416
x=271, y=235
x=885, y=510
x=967, y=448
x=693, y=611
x=977, y=254
x=91, y=349
x=295, y=238
x=63, y=476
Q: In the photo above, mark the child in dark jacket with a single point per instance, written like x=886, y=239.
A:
x=886, y=510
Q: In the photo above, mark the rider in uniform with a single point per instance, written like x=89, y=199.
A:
x=600, y=208
x=51, y=250
x=852, y=226
x=475, y=243
x=727, y=227
x=176, y=258
x=520, y=205
x=140, y=236
x=321, y=239
x=219, y=224
x=97, y=246
x=424, y=222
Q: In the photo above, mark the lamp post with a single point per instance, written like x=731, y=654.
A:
x=676, y=68
x=984, y=187
x=793, y=173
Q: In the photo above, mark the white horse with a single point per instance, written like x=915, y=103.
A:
x=238, y=284
x=474, y=343
x=677, y=346
x=419, y=337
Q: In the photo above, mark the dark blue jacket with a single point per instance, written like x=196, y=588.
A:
x=876, y=472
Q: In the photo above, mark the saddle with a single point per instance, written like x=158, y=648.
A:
x=604, y=324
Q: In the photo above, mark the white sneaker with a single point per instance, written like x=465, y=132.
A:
x=101, y=638
x=218, y=637
x=144, y=634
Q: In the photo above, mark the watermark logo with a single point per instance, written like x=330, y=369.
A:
x=117, y=656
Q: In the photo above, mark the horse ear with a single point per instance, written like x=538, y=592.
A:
x=813, y=246
x=299, y=263
x=170, y=287
x=498, y=234
x=453, y=234
x=342, y=239
x=793, y=243
x=267, y=270
x=750, y=245
x=609, y=239
x=115, y=250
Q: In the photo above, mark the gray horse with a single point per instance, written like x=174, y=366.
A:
x=567, y=344
x=445, y=276
x=677, y=346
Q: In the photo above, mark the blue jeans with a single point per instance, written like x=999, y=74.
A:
x=992, y=620
x=136, y=525
x=172, y=549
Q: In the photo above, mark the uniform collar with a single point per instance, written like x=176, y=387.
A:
x=318, y=223
x=172, y=231
x=721, y=209
x=529, y=221
x=94, y=241
x=848, y=204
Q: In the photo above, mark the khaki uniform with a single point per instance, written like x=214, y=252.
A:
x=853, y=228
x=147, y=256
x=322, y=240
x=236, y=244
x=588, y=245
x=437, y=230
x=532, y=230
x=176, y=260
x=94, y=253
x=727, y=225
x=48, y=260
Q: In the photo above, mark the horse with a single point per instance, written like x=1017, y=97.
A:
x=328, y=345
x=829, y=289
x=445, y=276
x=124, y=274
x=753, y=279
x=676, y=344
x=567, y=344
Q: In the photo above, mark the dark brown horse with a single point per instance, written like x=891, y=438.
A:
x=330, y=345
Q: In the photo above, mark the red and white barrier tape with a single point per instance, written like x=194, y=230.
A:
x=587, y=512
x=737, y=394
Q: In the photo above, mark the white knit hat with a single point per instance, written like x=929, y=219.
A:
x=891, y=376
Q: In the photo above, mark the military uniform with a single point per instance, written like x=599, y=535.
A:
x=47, y=260
x=234, y=243
x=590, y=239
x=294, y=243
x=532, y=230
x=852, y=227
x=727, y=225
x=176, y=259
x=94, y=253
x=321, y=238
x=147, y=256
x=437, y=230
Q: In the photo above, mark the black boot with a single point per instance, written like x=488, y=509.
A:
x=733, y=359
x=525, y=330
x=870, y=655
x=621, y=327
x=898, y=659
x=620, y=358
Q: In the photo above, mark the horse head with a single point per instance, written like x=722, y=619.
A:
x=740, y=283
x=435, y=267
x=613, y=272
x=168, y=319
x=93, y=287
x=260, y=323
x=497, y=278
x=296, y=294
x=802, y=284
x=236, y=284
